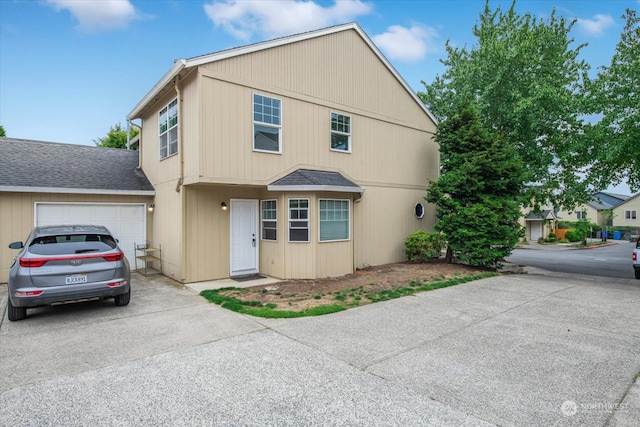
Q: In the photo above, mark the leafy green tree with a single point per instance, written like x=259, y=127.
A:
x=2, y=132
x=477, y=192
x=614, y=149
x=116, y=137
x=526, y=79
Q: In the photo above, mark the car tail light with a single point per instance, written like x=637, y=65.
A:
x=32, y=262
x=28, y=293
x=116, y=284
x=634, y=256
x=114, y=257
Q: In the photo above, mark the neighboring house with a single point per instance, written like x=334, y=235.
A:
x=300, y=157
x=593, y=210
x=45, y=183
x=627, y=213
x=538, y=225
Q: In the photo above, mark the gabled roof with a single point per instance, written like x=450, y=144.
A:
x=628, y=199
x=605, y=200
x=546, y=214
x=49, y=167
x=312, y=180
x=182, y=64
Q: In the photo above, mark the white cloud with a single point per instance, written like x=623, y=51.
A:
x=597, y=24
x=243, y=19
x=98, y=15
x=406, y=44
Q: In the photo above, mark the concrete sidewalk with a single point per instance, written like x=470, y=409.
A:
x=511, y=350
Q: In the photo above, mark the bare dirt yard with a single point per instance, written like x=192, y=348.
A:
x=362, y=287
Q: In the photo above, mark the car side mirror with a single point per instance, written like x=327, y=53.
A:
x=16, y=245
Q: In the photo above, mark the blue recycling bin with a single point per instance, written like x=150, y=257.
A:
x=617, y=235
x=605, y=235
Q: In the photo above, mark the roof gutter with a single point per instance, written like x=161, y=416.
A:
x=178, y=66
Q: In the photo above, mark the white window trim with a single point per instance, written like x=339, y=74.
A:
x=270, y=125
x=289, y=220
x=169, y=129
x=348, y=228
x=331, y=131
x=631, y=213
x=270, y=220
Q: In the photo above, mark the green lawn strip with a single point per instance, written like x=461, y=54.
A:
x=258, y=309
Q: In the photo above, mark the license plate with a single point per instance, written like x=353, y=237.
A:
x=73, y=279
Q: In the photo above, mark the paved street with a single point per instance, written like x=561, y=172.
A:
x=605, y=261
x=536, y=349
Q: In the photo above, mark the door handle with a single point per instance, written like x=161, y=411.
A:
x=253, y=241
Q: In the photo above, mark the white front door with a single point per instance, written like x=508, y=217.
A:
x=536, y=231
x=244, y=237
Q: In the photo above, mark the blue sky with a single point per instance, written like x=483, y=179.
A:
x=70, y=69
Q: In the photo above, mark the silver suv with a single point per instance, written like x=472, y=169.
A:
x=60, y=264
x=636, y=259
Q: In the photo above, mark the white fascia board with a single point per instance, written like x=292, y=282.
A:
x=75, y=191
x=330, y=188
x=179, y=65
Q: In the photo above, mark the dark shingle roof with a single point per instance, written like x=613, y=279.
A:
x=27, y=165
x=304, y=179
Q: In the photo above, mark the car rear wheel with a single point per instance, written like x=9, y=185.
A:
x=637, y=274
x=123, y=299
x=16, y=313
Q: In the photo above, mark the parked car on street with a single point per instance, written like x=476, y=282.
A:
x=636, y=259
x=62, y=264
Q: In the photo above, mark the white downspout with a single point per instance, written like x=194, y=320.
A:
x=130, y=123
x=180, y=150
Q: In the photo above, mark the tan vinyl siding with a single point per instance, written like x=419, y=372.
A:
x=631, y=204
x=227, y=143
x=384, y=217
x=339, y=68
x=167, y=223
x=17, y=218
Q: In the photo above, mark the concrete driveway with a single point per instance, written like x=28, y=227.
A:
x=536, y=349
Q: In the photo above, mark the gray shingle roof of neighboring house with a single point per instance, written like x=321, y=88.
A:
x=546, y=214
x=312, y=180
x=38, y=166
x=604, y=200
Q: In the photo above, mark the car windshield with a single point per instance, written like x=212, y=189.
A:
x=66, y=244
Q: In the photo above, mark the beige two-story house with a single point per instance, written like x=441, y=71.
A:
x=301, y=157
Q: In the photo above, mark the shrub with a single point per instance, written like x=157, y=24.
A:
x=423, y=245
x=573, y=235
x=552, y=236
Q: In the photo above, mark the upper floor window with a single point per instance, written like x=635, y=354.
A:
x=269, y=220
x=168, y=129
x=267, y=124
x=630, y=215
x=340, y=132
x=298, y=220
x=581, y=214
x=334, y=220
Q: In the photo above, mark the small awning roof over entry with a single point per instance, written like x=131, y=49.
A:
x=310, y=180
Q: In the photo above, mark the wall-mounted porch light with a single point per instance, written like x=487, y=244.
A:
x=223, y=206
x=151, y=207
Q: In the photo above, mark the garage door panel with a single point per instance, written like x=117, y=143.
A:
x=127, y=222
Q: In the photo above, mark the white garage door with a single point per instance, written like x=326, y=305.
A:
x=126, y=221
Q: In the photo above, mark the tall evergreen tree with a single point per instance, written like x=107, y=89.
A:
x=477, y=192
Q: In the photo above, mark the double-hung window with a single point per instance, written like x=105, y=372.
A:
x=630, y=215
x=168, y=129
x=269, y=220
x=298, y=220
x=267, y=124
x=340, y=132
x=581, y=214
x=334, y=220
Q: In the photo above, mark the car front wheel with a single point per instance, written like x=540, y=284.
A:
x=16, y=313
x=123, y=299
